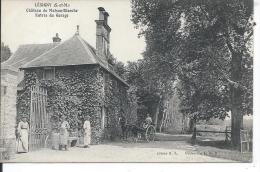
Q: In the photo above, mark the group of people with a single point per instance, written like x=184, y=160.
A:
x=63, y=135
x=59, y=134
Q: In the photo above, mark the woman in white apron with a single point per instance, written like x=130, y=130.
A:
x=23, y=132
x=87, y=132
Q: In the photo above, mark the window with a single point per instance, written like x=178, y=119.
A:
x=49, y=73
x=105, y=80
x=103, y=118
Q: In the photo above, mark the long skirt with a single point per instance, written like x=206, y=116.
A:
x=22, y=142
x=87, y=137
x=55, y=140
x=64, y=136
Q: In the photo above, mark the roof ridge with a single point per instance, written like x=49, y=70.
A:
x=37, y=44
x=100, y=61
x=85, y=48
x=34, y=58
x=45, y=53
x=20, y=47
x=98, y=58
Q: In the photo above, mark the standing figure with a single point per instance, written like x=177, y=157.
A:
x=23, y=132
x=55, y=133
x=148, y=121
x=64, y=133
x=122, y=122
x=87, y=132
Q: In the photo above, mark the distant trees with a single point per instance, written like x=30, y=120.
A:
x=5, y=52
x=146, y=85
x=118, y=66
x=207, y=45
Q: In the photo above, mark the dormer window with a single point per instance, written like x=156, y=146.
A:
x=49, y=73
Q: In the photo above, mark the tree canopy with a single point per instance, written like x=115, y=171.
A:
x=207, y=46
x=5, y=52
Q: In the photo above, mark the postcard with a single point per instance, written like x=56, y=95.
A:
x=127, y=81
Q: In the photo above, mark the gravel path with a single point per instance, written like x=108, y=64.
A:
x=167, y=151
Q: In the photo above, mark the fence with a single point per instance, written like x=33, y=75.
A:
x=245, y=137
x=227, y=133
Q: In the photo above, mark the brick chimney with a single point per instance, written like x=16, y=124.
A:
x=102, y=34
x=56, y=38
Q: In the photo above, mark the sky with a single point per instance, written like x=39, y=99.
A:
x=21, y=27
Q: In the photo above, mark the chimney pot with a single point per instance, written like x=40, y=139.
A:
x=77, y=32
x=103, y=14
x=101, y=9
x=56, y=38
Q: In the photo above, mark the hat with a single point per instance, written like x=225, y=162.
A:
x=24, y=116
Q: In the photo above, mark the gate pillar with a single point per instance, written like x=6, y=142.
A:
x=8, y=112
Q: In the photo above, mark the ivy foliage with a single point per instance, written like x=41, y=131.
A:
x=79, y=91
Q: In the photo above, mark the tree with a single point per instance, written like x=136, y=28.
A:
x=147, y=88
x=5, y=52
x=118, y=66
x=207, y=45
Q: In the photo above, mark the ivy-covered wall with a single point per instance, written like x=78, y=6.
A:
x=118, y=99
x=77, y=91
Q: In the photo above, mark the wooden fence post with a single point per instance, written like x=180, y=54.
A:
x=193, y=138
x=226, y=140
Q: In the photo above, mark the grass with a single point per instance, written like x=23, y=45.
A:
x=214, y=144
x=222, y=149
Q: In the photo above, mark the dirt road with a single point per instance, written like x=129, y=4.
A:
x=167, y=151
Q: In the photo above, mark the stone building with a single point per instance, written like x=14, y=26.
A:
x=71, y=78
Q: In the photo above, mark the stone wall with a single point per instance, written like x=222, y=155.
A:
x=8, y=112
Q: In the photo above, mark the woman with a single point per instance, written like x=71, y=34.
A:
x=23, y=132
x=87, y=132
x=55, y=133
x=64, y=134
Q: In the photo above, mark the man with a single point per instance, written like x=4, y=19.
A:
x=148, y=121
x=122, y=122
x=87, y=132
x=64, y=133
x=23, y=132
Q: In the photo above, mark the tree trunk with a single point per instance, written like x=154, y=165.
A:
x=236, y=100
x=156, y=115
x=191, y=125
x=194, y=131
x=157, y=112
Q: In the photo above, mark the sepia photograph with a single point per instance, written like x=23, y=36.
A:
x=127, y=81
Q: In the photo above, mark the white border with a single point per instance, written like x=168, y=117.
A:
x=161, y=167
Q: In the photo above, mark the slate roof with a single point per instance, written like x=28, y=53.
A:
x=74, y=51
x=26, y=53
